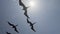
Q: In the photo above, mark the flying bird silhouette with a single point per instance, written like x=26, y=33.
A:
x=13, y=26
x=24, y=8
x=31, y=24
x=8, y=33
x=33, y=27
x=21, y=3
x=25, y=13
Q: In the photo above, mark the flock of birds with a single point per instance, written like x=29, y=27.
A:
x=25, y=13
x=14, y=27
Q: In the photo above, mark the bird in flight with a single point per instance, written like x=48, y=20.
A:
x=8, y=33
x=31, y=24
x=13, y=26
x=33, y=27
x=25, y=13
x=21, y=4
x=24, y=8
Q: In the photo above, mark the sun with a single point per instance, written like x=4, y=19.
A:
x=31, y=4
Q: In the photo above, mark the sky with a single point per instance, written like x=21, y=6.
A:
x=46, y=14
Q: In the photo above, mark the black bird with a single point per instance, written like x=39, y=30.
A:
x=33, y=27
x=24, y=8
x=8, y=33
x=13, y=26
x=21, y=3
x=25, y=13
x=31, y=24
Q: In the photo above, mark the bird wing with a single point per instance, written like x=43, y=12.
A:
x=10, y=24
x=16, y=30
x=25, y=13
x=33, y=28
x=21, y=3
x=28, y=21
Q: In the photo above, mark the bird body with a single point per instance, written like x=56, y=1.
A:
x=31, y=25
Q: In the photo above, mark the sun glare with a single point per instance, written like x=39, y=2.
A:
x=31, y=4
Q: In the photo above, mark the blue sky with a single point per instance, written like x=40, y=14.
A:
x=46, y=14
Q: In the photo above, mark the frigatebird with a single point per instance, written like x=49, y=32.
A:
x=33, y=28
x=24, y=8
x=8, y=33
x=25, y=13
x=21, y=3
x=13, y=26
x=31, y=24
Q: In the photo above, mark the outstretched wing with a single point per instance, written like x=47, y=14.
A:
x=16, y=30
x=28, y=21
x=25, y=13
x=10, y=24
x=33, y=28
x=21, y=3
